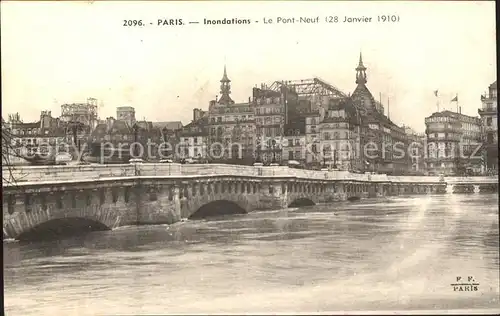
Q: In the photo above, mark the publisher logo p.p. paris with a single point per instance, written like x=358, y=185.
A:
x=466, y=284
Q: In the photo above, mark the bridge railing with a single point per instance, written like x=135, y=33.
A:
x=413, y=179
x=72, y=172
x=66, y=173
x=475, y=179
x=218, y=169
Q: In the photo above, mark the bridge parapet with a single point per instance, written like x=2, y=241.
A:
x=61, y=172
x=471, y=180
x=20, y=174
x=413, y=179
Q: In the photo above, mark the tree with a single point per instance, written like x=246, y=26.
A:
x=75, y=127
x=9, y=152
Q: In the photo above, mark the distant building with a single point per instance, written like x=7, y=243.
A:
x=269, y=109
x=198, y=114
x=489, y=127
x=231, y=127
x=84, y=113
x=32, y=137
x=452, y=141
x=415, y=151
x=294, y=147
x=193, y=139
x=79, y=120
x=313, y=141
x=170, y=125
x=383, y=142
x=339, y=136
x=126, y=114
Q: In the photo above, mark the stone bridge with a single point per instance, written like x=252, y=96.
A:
x=105, y=197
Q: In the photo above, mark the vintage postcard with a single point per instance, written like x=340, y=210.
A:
x=247, y=157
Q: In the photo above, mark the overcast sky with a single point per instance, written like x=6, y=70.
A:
x=55, y=53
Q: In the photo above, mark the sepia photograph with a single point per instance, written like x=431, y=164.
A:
x=249, y=157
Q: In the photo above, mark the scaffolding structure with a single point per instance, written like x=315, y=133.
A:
x=84, y=113
x=310, y=87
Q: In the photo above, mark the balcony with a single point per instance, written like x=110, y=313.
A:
x=443, y=129
x=489, y=97
x=450, y=138
x=490, y=110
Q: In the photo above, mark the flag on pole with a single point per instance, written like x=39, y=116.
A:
x=455, y=99
x=436, y=93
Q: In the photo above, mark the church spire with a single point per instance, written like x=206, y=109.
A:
x=224, y=77
x=361, y=71
x=225, y=89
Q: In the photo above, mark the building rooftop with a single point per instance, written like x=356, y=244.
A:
x=171, y=125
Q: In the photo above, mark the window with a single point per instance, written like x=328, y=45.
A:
x=488, y=121
x=290, y=155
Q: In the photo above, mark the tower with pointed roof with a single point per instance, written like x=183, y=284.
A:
x=361, y=72
x=362, y=97
x=225, y=89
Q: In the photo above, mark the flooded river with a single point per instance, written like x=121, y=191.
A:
x=386, y=254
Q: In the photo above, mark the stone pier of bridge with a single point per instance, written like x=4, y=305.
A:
x=110, y=196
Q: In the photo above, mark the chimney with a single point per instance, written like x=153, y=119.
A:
x=248, y=99
x=459, y=110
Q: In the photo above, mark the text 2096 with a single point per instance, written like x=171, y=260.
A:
x=132, y=23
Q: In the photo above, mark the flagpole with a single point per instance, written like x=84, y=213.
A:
x=457, y=102
x=388, y=109
x=436, y=93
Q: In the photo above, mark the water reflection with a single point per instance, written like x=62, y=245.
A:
x=395, y=253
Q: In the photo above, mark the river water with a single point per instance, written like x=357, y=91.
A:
x=397, y=253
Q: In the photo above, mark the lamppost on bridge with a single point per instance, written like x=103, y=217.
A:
x=273, y=145
x=334, y=159
x=257, y=151
x=164, y=134
x=324, y=157
x=75, y=127
x=135, y=128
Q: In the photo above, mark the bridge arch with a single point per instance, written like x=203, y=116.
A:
x=301, y=201
x=61, y=227
x=218, y=208
x=40, y=222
